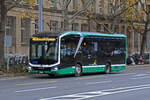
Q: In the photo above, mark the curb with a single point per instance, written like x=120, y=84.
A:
x=14, y=75
x=28, y=74
x=138, y=66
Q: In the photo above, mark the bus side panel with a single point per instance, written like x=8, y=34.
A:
x=86, y=69
x=64, y=71
x=90, y=69
x=118, y=68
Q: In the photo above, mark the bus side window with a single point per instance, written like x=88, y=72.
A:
x=85, y=48
x=63, y=50
x=68, y=47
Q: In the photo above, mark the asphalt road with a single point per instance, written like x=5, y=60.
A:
x=130, y=84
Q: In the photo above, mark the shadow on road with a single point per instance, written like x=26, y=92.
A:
x=43, y=76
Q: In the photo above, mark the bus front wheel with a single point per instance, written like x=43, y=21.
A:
x=107, y=68
x=78, y=70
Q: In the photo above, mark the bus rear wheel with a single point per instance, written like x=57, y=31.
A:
x=107, y=68
x=78, y=70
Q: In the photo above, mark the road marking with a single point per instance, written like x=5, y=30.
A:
x=92, y=83
x=126, y=74
x=92, y=77
x=86, y=95
x=139, y=75
x=36, y=89
x=147, y=72
x=35, y=83
x=85, y=78
x=142, y=77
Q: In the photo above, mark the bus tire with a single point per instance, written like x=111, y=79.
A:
x=108, y=68
x=78, y=70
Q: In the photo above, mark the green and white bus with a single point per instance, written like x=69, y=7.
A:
x=77, y=53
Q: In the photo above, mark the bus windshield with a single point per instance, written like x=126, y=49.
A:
x=44, y=52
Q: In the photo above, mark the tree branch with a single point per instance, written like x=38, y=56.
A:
x=125, y=9
x=103, y=25
x=67, y=3
x=12, y=4
x=89, y=2
x=142, y=5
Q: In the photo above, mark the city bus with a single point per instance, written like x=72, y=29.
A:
x=77, y=53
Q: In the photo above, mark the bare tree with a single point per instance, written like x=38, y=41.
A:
x=115, y=9
x=140, y=22
x=67, y=18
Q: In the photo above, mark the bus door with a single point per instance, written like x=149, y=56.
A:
x=68, y=48
x=89, y=50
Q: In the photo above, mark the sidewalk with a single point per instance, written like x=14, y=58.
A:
x=8, y=75
x=138, y=66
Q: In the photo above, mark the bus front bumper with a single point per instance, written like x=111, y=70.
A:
x=35, y=71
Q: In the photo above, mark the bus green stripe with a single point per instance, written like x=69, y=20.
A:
x=118, y=68
x=93, y=69
x=70, y=70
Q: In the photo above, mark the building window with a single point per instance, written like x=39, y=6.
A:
x=109, y=7
x=36, y=27
x=101, y=6
x=123, y=29
x=100, y=11
x=61, y=26
x=75, y=4
x=93, y=8
x=148, y=7
x=53, y=25
x=75, y=27
x=11, y=28
x=52, y=3
x=105, y=27
x=99, y=28
x=36, y=2
x=25, y=31
x=116, y=28
x=84, y=27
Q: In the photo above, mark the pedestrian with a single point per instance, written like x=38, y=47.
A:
x=141, y=60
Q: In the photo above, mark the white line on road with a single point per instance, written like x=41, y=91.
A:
x=85, y=95
x=36, y=89
x=141, y=77
x=92, y=83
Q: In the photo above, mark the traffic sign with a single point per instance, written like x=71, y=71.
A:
x=8, y=40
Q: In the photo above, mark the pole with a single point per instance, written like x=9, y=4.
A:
x=7, y=59
x=149, y=58
x=40, y=21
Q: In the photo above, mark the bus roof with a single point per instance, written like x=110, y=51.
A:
x=84, y=34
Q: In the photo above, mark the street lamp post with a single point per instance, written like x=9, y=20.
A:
x=40, y=19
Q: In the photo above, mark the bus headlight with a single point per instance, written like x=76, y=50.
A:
x=55, y=68
x=29, y=68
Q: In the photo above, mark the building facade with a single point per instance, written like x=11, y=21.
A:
x=22, y=23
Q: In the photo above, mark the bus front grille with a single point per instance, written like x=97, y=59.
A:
x=42, y=68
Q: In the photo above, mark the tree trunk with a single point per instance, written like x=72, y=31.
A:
x=2, y=30
x=66, y=20
x=143, y=43
x=144, y=37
